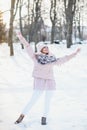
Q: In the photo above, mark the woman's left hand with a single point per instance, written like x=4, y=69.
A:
x=78, y=50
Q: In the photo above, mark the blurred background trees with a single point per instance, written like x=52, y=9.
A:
x=3, y=36
x=48, y=20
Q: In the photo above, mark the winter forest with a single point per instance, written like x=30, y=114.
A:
x=41, y=20
x=62, y=26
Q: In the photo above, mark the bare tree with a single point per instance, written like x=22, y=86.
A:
x=12, y=16
x=80, y=18
x=3, y=37
x=20, y=15
x=28, y=17
x=36, y=19
x=70, y=6
x=20, y=19
x=53, y=17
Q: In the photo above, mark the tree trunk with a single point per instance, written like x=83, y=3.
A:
x=10, y=42
x=12, y=16
x=53, y=18
x=70, y=6
x=79, y=27
x=52, y=33
x=20, y=20
x=69, y=33
x=28, y=19
x=37, y=18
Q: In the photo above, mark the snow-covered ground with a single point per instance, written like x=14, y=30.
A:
x=69, y=105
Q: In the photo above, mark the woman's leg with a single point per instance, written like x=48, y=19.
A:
x=48, y=97
x=35, y=96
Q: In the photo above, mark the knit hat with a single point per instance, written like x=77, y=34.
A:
x=40, y=45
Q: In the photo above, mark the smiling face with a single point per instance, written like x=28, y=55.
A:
x=45, y=50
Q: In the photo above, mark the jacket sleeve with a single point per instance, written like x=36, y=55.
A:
x=27, y=45
x=65, y=59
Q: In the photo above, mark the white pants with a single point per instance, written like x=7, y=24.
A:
x=35, y=96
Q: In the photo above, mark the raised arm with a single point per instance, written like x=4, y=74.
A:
x=66, y=58
x=26, y=44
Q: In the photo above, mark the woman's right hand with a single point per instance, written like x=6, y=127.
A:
x=78, y=50
x=18, y=32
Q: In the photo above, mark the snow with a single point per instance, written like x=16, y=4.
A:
x=69, y=105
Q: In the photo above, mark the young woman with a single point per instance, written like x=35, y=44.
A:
x=43, y=76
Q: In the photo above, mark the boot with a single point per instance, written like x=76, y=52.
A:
x=43, y=121
x=19, y=119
